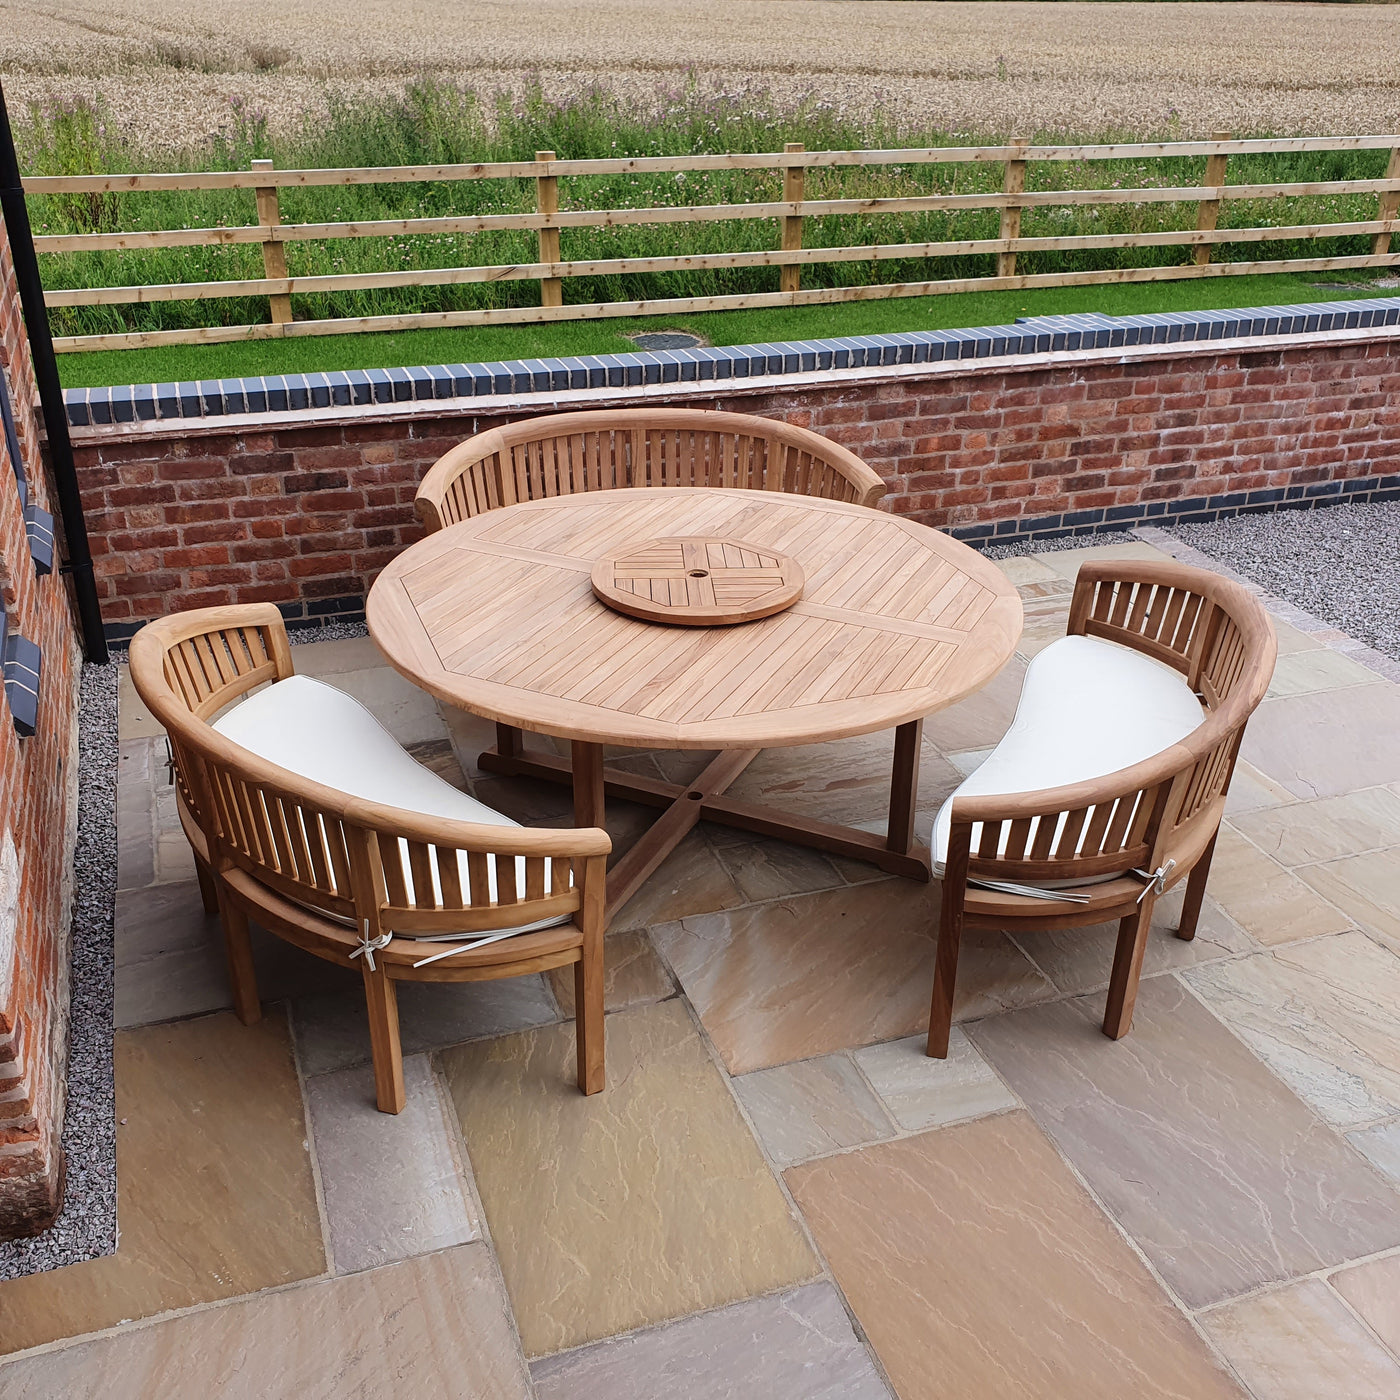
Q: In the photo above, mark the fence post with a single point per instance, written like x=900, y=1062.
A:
x=1014, y=183
x=274, y=254
x=547, y=202
x=1389, y=203
x=1208, y=210
x=794, y=185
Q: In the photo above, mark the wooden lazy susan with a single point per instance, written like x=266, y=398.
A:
x=697, y=581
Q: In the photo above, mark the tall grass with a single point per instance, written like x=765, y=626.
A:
x=436, y=123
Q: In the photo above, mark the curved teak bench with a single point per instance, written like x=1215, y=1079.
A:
x=1110, y=784
x=560, y=454
x=387, y=867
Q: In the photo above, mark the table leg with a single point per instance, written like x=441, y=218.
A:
x=589, y=798
x=904, y=785
x=510, y=742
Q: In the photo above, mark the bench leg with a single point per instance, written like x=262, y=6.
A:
x=588, y=1001
x=945, y=969
x=1195, y=893
x=242, y=977
x=208, y=889
x=382, y=1000
x=1127, y=968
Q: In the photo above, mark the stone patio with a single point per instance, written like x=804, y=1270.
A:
x=778, y=1194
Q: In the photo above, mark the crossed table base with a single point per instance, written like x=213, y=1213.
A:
x=687, y=804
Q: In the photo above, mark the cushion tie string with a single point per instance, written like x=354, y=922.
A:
x=1156, y=879
x=368, y=946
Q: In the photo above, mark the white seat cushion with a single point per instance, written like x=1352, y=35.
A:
x=321, y=733
x=1088, y=708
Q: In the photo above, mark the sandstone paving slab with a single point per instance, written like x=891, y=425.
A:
x=391, y=1182
x=434, y=1328
x=1373, y=1290
x=174, y=860
x=802, y=977
x=1270, y=903
x=1301, y=1343
x=1080, y=960
x=1022, y=569
x=1327, y=743
x=1330, y=828
x=1366, y=887
x=169, y=955
x=771, y=869
x=1066, y=562
x=1380, y=1145
x=170, y=959
x=1226, y=1180
x=323, y=659
x=632, y=975
x=1251, y=791
x=438, y=755
x=135, y=813
x=645, y=1202
x=1304, y=672
x=811, y=1108
x=924, y=1093
x=968, y=762
x=1046, y=614
x=470, y=735
x=1291, y=639
x=977, y=1265
x=797, y=1345
x=332, y=1028
x=134, y=720
x=408, y=713
x=979, y=721
x=691, y=880
x=845, y=781
x=215, y=1190
x=1324, y=1016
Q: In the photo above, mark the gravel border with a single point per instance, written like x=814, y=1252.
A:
x=1341, y=563
x=86, y=1227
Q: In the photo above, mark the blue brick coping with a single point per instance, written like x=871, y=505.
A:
x=1033, y=335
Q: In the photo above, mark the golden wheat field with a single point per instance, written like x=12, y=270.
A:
x=167, y=72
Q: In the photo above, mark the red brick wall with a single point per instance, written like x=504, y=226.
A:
x=307, y=515
x=35, y=787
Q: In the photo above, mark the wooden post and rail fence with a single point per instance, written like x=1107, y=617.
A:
x=791, y=213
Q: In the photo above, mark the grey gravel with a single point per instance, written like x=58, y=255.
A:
x=86, y=1227
x=1340, y=563
x=331, y=632
x=1053, y=546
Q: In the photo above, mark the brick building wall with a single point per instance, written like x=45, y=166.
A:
x=37, y=815
x=303, y=509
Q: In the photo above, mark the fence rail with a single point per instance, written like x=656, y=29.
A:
x=789, y=214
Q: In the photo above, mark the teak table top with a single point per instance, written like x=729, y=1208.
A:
x=497, y=615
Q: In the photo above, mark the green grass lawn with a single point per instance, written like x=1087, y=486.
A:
x=602, y=337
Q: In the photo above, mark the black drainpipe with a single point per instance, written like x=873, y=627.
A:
x=36, y=321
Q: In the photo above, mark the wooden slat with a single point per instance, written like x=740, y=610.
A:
x=144, y=293
x=524, y=315
x=637, y=165
x=700, y=213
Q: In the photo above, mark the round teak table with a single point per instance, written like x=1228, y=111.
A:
x=498, y=615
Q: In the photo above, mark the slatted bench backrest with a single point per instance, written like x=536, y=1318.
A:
x=561, y=454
